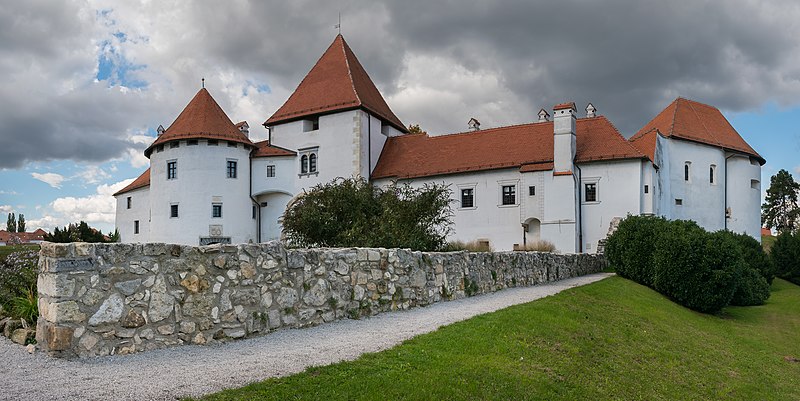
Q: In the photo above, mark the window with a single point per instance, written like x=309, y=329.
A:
x=172, y=169
x=136, y=226
x=509, y=195
x=231, y=173
x=173, y=211
x=311, y=124
x=646, y=189
x=216, y=210
x=159, y=148
x=191, y=142
x=467, y=197
x=531, y=190
x=232, y=144
x=590, y=192
x=270, y=171
x=213, y=142
x=173, y=145
x=712, y=172
x=129, y=202
x=755, y=184
x=308, y=161
x=255, y=210
x=686, y=171
x=678, y=202
x=312, y=163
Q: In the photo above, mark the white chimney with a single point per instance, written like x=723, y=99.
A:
x=244, y=128
x=474, y=125
x=544, y=115
x=564, y=121
x=590, y=111
x=160, y=130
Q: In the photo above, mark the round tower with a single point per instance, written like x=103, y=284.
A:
x=200, y=178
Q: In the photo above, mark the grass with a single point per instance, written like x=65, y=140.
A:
x=471, y=246
x=9, y=249
x=613, y=339
x=767, y=241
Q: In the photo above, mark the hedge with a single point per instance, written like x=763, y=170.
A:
x=785, y=256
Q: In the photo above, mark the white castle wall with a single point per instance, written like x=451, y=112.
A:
x=140, y=210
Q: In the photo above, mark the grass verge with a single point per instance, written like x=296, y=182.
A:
x=614, y=339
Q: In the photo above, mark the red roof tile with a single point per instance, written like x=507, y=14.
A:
x=201, y=118
x=9, y=237
x=140, y=182
x=337, y=82
x=698, y=122
x=527, y=146
x=646, y=143
x=567, y=105
x=264, y=149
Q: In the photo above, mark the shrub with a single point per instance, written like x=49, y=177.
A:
x=471, y=246
x=26, y=306
x=785, y=255
x=354, y=213
x=752, y=289
x=755, y=256
x=539, y=246
x=18, y=273
x=630, y=249
x=698, y=270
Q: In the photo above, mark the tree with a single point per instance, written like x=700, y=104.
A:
x=354, y=213
x=80, y=232
x=415, y=129
x=21, y=224
x=11, y=224
x=780, y=210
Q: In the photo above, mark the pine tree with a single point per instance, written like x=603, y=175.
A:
x=8, y=223
x=21, y=224
x=780, y=209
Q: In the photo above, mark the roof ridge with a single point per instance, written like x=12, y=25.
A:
x=349, y=70
x=616, y=131
x=702, y=122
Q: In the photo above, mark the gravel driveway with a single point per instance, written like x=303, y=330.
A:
x=172, y=373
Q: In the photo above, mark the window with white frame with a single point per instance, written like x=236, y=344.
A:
x=231, y=168
x=172, y=169
x=270, y=171
x=216, y=210
x=591, y=190
x=509, y=195
x=308, y=161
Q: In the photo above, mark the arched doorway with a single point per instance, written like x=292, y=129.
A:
x=533, y=230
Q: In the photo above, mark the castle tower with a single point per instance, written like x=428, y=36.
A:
x=200, y=178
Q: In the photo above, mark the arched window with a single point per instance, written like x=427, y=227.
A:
x=686, y=171
x=312, y=163
x=304, y=164
x=712, y=172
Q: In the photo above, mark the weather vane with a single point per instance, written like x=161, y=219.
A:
x=339, y=25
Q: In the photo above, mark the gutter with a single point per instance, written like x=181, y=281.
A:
x=580, y=207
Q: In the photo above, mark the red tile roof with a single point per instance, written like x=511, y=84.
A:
x=140, y=182
x=337, y=82
x=698, y=122
x=202, y=118
x=264, y=149
x=527, y=146
x=9, y=237
x=766, y=232
x=567, y=105
x=646, y=143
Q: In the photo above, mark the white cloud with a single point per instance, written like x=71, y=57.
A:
x=6, y=208
x=91, y=175
x=98, y=210
x=9, y=193
x=52, y=179
x=797, y=170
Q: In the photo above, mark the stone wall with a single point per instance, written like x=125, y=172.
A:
x=103, y=299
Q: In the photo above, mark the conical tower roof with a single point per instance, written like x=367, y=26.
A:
x=201, y=118
x=337, y=82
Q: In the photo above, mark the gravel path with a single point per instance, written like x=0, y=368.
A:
x=172, y=373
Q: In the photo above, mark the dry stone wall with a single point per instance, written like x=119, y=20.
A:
x=104, y=299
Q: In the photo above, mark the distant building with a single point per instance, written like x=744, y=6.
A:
x=9, y=238
x=563, y=178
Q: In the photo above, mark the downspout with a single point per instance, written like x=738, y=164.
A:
x=579, y=223
x=725, y=209
x=255, y=203
x=369, y=148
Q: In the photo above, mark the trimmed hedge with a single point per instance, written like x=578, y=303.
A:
x=697, y=269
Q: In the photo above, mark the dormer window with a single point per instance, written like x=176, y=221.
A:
x=312, y=124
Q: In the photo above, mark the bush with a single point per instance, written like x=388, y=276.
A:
x=354, y=213
x=755, y=256
x=785, y=255
x=698, y=270
x=18, y=273
x=539, y=246
x=752, y=289
x=471, y=246
x=630, y=249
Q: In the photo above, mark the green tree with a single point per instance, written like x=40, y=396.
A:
x=21, y=224
x=11, y=224
x=415, y=129
x=80, y=232
x=354, y=213
x=780, y=210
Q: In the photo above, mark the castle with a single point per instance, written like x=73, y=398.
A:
x=564, y=178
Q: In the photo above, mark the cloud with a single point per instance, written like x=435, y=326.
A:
x=6, y=209
x=97, y=210
x=9, y=193
x=91, y=175
x=52, y=179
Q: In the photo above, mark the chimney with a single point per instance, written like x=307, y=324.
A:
x=564, y=121
x=160, y=130
x=590, y=111
x=244, y=128
x=544, y=115
x=474, y=125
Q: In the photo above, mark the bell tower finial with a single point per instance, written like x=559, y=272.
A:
x=203, y=82
x=339, y=25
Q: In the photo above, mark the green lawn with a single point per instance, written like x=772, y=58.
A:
x=6, y=250
x=610, y=340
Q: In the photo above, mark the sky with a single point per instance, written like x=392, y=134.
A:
x=85, y=84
